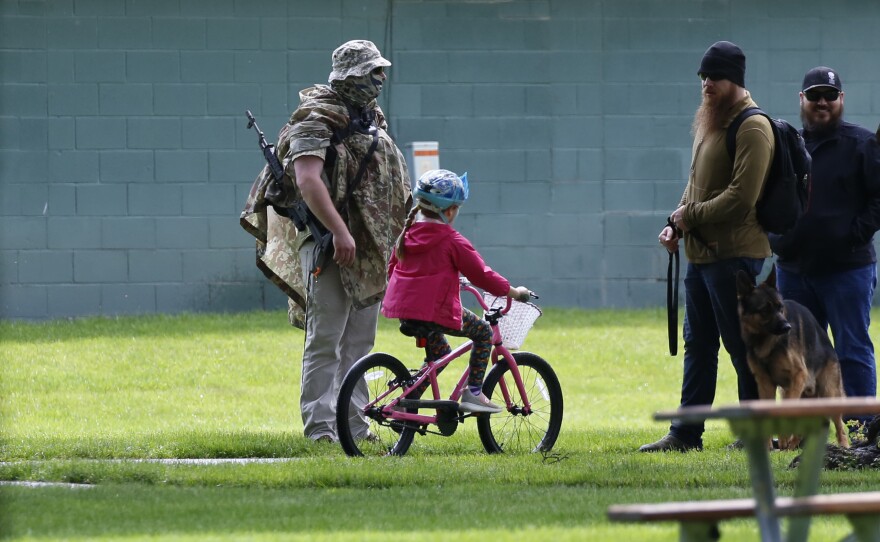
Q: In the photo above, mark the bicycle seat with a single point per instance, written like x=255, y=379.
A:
x=412, y=328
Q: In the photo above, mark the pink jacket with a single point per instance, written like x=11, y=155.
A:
x=424, y=286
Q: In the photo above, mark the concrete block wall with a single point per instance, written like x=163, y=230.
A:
x=124, y=158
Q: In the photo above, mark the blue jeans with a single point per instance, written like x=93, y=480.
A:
x=711, y=317
x=843, y=301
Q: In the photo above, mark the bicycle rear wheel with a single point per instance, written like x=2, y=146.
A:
x=514, y=430
x=366, y=431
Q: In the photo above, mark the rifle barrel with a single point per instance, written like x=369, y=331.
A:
x=252, y=122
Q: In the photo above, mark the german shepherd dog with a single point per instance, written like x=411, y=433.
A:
x=787, y=348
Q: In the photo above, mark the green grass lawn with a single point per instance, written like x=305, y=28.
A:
x=100, y=401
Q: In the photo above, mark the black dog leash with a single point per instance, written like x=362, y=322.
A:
x=672, y=271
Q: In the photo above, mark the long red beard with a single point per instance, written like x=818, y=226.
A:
x=710, y=117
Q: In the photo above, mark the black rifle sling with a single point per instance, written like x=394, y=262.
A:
x=363, y=166
x=672, y=301
x=363, y=123
x=358, y=123
x=672, y=271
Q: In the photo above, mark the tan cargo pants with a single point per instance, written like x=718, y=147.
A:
x=337, y=335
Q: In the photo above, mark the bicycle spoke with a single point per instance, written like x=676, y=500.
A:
x=515, y=430
x=372, y=383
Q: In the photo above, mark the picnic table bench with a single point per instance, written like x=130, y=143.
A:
x=699, y=520
x=755, y=422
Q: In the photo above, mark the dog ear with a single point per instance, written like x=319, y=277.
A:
x=771, y=278
x=744, y=284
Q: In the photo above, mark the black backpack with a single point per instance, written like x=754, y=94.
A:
x=786, y=194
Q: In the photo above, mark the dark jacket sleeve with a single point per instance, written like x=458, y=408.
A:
x=867, y=221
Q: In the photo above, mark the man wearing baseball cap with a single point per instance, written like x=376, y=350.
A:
x=828, y=263
x=339, y=159
x=716, y=220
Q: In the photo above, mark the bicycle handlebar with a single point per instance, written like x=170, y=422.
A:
x=466, y=285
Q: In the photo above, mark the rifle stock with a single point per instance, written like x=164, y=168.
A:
x=303, y=218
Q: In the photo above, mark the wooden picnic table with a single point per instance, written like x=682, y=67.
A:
x=755, y=422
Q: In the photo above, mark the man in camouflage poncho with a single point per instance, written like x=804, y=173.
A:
x=339, y=308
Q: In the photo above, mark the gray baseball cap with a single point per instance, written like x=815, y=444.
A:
x=355, y=57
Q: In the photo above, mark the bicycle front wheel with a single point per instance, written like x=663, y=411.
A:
x=515, y=430
x=362, y=428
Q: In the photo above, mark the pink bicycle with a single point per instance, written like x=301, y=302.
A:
x=380, y=391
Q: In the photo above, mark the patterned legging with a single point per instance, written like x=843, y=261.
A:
x=474, y=328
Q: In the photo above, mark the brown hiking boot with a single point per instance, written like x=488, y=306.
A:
x=669, y=443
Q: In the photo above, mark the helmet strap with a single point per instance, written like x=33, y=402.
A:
x=451, y=210
x=431, y=212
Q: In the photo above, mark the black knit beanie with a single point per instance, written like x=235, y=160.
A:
x=725, y=60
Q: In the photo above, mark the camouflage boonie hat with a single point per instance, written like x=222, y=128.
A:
x=355, y=57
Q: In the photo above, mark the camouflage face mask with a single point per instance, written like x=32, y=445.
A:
x=359, y=90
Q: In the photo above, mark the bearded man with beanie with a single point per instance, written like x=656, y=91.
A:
x=716, y=220
x=827, y=262
x=338, y=156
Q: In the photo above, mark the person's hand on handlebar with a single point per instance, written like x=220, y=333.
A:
x=520, y=293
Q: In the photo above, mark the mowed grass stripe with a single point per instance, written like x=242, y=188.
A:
x=127, y=403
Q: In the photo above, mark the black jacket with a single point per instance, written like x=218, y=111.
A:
x=836, y=233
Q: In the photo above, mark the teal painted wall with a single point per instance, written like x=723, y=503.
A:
x=125, y=162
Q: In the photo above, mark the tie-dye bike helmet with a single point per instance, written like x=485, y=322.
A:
x=440, y=189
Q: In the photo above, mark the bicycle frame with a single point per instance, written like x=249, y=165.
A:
x=431, y=369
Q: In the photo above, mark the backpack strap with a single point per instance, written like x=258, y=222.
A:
x=359, y=121
x=734, y=127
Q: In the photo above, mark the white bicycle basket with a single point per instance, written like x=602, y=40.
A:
x=514, y=325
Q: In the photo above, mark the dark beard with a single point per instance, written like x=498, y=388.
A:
x=825, y=128
x=710, y=118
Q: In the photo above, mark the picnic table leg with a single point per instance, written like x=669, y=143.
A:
x=866, y=528
x=812, y=459
x=698, y=531
x=763, y=487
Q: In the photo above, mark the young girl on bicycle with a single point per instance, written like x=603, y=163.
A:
x=423, y=279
